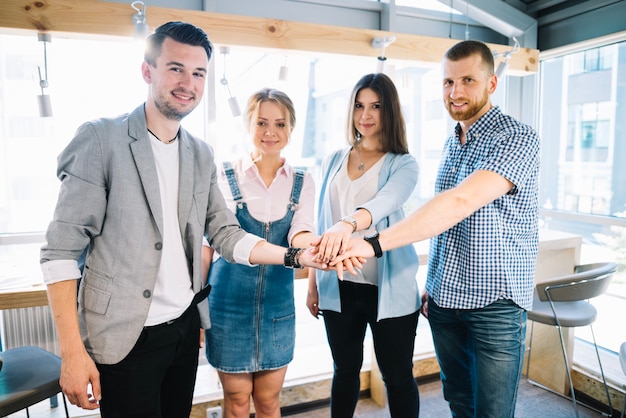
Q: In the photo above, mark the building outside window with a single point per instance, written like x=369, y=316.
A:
x=582, y=124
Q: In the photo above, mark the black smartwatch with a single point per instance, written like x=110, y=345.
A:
x=373, y=240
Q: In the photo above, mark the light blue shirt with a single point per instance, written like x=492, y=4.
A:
x=398, y=293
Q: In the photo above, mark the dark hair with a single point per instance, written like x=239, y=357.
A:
x=465, y=49
x=182, y=32
x=270, y=95
x=393, y=130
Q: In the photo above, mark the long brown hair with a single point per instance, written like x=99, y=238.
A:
x=393, y=129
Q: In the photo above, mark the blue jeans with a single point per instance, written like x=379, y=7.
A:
x=480, y=352
x=394, y=340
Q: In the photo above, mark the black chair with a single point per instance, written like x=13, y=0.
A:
x=28, y=376
x=563, y=302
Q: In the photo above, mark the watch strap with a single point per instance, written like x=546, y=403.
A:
x=350, y=220
x=373, y=240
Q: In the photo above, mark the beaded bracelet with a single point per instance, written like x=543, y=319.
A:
x=292, y=258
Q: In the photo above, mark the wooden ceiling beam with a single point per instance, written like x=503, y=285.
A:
x=73, y=18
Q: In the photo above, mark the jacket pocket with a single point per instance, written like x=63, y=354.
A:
x=96, y=300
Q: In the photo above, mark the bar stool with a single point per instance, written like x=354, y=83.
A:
x=29, y=375
x=563, y=302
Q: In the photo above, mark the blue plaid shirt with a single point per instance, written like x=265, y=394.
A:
x=491, y=254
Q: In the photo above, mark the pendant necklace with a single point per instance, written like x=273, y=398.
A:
x=361, y=166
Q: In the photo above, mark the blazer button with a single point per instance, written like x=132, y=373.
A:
x=158, y=245
x=147, y=294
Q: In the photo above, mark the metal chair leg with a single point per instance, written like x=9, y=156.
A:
x=67, y=414
x=606, y=387
x=569, y=374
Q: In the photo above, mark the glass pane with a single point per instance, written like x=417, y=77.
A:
x=87, y=79
x=93, y=78
x=582, y=164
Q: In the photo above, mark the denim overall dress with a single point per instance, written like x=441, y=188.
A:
x=252, y=308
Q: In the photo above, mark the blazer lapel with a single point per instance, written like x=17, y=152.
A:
x=144, y=161
x=185, y=182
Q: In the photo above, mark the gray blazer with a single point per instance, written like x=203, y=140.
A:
x=109, y=202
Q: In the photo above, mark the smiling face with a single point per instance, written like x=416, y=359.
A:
x=270, y=130
x=467, y=85
x=366, y=115
x=177, y=79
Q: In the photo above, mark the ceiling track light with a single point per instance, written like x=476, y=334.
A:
x=382, y=43
x=232, y=100
x=506, y=56
x=139, y=21
x=43, y=100
x=283, y=73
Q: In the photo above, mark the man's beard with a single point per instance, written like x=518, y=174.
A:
x=473, y=108
x=170, y=111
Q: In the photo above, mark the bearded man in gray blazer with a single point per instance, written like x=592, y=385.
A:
x=139, y=193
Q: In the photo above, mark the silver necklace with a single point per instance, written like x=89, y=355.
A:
x=361, y=166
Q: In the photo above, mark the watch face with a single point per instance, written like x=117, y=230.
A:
x=350, y=220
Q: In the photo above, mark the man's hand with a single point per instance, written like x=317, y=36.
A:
x=359, y=249
x=77, y=372
x=424, y=307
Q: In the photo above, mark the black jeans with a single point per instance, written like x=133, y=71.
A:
x=158, y=376
x=394, y=340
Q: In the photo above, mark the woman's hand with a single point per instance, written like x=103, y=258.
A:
x=334, y=241
x=309, y=258
x=312, y=297
x=358, y=250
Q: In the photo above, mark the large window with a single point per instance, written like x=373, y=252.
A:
x=94, y=78
x=90, y=79
x=583, y=129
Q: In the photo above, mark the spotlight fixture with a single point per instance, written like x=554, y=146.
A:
x=139, y=20
x=506, y=56
x=43, y=100
x=284, y=71
x=382, y=43
x=232, y=101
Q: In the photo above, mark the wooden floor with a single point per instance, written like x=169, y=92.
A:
x=533, y=402
x=314, y=354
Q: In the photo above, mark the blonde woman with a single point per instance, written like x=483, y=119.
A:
x=252, y=335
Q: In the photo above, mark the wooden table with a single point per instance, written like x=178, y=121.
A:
x=26, y=297
x=559, y=253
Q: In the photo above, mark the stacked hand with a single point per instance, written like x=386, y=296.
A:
x=312, y=258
